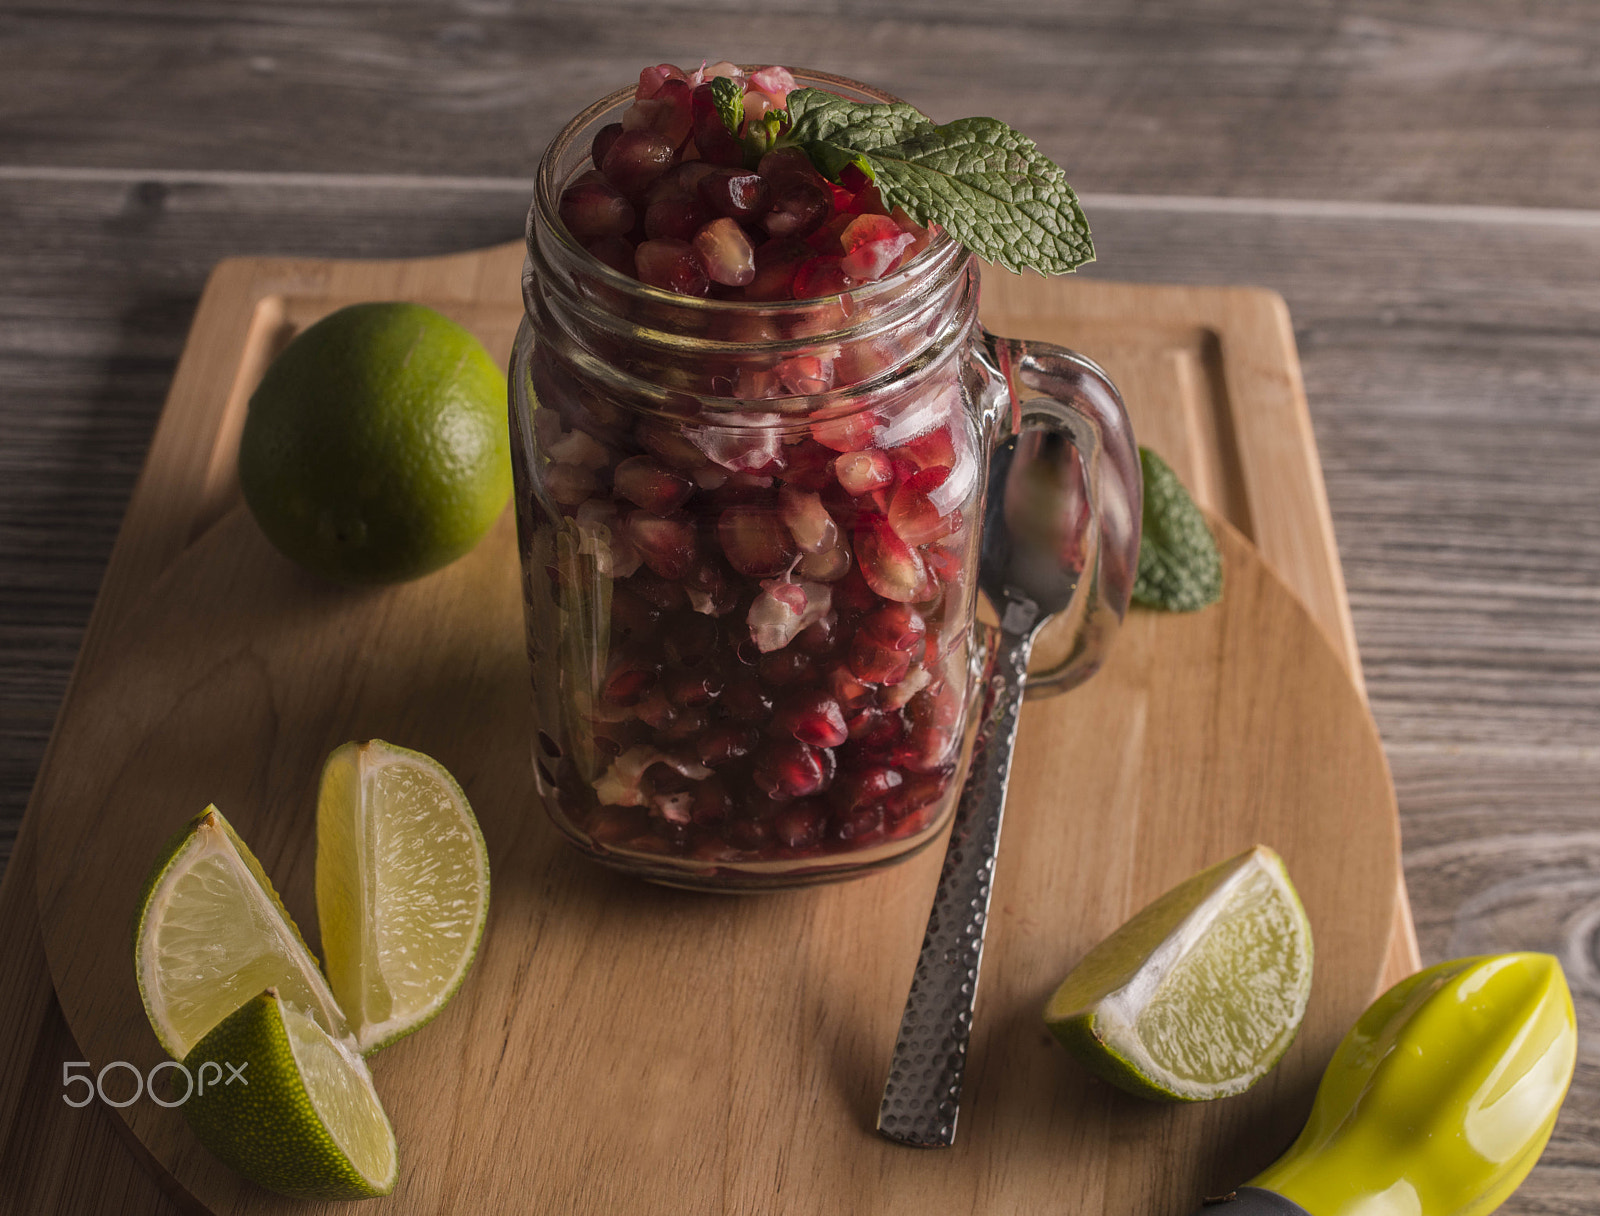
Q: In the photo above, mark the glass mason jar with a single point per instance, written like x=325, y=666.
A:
x=749, y=537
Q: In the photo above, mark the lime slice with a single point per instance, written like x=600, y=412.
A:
x=1201, y=993
x=211, y=933
x=288, y=1107
x=402, y=887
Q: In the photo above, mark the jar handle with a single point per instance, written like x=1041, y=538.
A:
x=1054, y=389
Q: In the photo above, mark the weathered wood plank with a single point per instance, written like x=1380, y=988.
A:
x=1459, y=100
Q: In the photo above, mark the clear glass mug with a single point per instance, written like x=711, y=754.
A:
x=749, y=537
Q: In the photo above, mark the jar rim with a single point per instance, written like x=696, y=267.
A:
x=941, y=247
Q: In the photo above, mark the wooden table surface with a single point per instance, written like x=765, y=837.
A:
x=1418, y=180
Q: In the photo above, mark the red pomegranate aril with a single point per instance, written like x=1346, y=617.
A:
x=747, y=833
x=726, y=253
x=746, y=701
x=688, y=724
x=646, y=484
x=798, y=208
x=667, y=113
x=637, y=158
x=872, y=244
x=666, y=545
x=629, y=680
x=820, y=277
x=891, y=567
x=655, y=709
x=671, y=446
x=712, y=804
x=652, y=78
x=825, y=567
x=862, y=472
x=897, y=627
x=711, y=135
x=603, y=139
x=799, y=825
x=848, y=432
x=852, y=827
x=689, y=638
x=813, y=717
x=788, y=768
x=674, y=215
x=735, y=193
x=694, y=689
x=809, y=466
x=820, y=638
x=934, y=449
x=710, y=591
x=808, y=520
x=672, y=266
x=776, y=262
x=856, y=791
x=664, y=593
x=724, y=744
x=781, y=668
x=616, y=252
x=877, y=664
x=925, y=481
x=592, y=207
x=919, y=792
x=756, y=541
x=916, y=520
x=569, y=484
x=631, y=614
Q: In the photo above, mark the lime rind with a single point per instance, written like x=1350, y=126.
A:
x=210, y=931
x=290, y=1107
x=402, y=895
x=1201, y=993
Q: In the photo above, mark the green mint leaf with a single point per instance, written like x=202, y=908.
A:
x=816, y=117
x=1180, y=569
x=729, y=96
x=989, y=187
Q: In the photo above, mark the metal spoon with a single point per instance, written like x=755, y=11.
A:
x=1033, y=519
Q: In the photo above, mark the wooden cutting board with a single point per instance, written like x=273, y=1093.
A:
x=619, y=1045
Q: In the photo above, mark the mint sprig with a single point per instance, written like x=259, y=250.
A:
x=987, y=185
x=1180, y=569
x=728, y=94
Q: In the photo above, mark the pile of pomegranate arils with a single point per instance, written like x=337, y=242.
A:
x=788, y=657
x=675, y=201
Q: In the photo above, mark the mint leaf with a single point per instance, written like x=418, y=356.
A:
x=728, y=94
x=988, y=186
x=1180, y=569
x=816, y=117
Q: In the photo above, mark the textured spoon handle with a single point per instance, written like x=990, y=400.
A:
x=923, y=1093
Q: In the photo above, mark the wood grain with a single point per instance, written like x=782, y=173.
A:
x=1457, y=100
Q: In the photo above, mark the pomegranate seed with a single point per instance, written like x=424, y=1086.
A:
x=746, y=701
x=691, y=639
x=864, y=788
x=637, y=158
x=804, y=375
x=616, y=252
x=799, y=825
x=726, y=253
x=852, y=827
x=916, y=680
x=632, y=614
x=916, y=520
x=820, y=277
x=921, y=790
x=808, y=520
x=656, y=710
x=592, y=207
x=798, y=208
x=603, y=139
x=646, y=484
x=712, y=803
x=651, y=79
x=848, y=432
x=782, y=668
x=710, y=592
x=724, y=744
x=776, y=262
x=877, y=664
x=569, y=484
x=813, y=717
x=688, y=723
x=875, y=730
x=664, y=593
x=849, y=692
x=674, y=215
x=923, y=481
x=750, y=444
x=945, y=562
x=825, y=567
x=783, y=163
x=891, y=567
x=629, y=680
x=897, y=627
x=852, y=594
x=735, y=193
x=693, y=690
x=776, y=82
x=672, y=266
x=934, y=449
x=756, y=541
x=825, y=240
x=671, y=446
x=872, y=244
x=666, y=545
x=711, y=135
x=614, y=824
x=862, y=472
x=819, y=638
x=748, y=834
x=783, y=609
x=787, y=768
x=667, y=113
x=808, y=465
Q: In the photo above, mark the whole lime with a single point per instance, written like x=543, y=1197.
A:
x=376, y=447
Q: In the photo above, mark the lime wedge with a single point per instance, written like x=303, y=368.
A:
x=211, y=933
x=1201, y=993
x=288, y=1107
x=402, y=887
